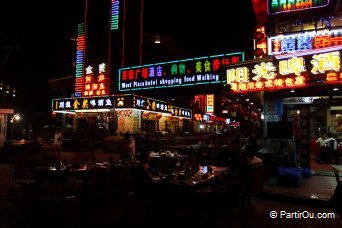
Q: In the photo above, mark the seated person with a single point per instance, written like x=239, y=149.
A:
x=251, y=155
x=141, y=171
x=141, y=175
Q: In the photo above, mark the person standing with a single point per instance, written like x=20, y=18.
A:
x=23, y=133
x=331, y=145
x=322, y=155
x=31, y=133
x=128, y=147
x=58, y=140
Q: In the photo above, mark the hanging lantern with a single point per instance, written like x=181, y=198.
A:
x=170, y=117
x=159, y=115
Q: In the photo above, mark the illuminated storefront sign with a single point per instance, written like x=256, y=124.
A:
x=80, y=60
x=187, y=72
x=83, y=103
x=260, y=38
x=96, y=84
x=209, y=118
x=325, y=62
x=304, y=41
x=269, y=74
x=282, y=6
x=181, y=112
x=120, y=102
x=114, y=17
x=210, y=103
x=149, y=104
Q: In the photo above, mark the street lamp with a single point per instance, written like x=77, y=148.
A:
x=16, y=117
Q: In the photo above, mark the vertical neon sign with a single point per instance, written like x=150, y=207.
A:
x=115, y=15
x=79, y=60
x=210, y=103
x=96, y=83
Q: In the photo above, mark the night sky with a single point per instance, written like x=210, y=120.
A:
x=36, y=37
x=203, y=27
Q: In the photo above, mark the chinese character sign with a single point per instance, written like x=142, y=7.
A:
x=96, y=82
x=83, y=103
x=287, y=73
x=283, y=6
x=310, y=40
x=195, y=71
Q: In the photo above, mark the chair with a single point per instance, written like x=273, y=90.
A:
x=21, y=171
x=49, y=154
x=23, y=185
x=213, y=201
x=120, y=179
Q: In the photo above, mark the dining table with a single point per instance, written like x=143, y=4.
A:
x=180, y=191
x=182, y=184
x=57, y=181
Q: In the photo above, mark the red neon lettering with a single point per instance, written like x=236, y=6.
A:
x=124, y=75
x=131, y=74
x=144, y=73
x=322, y=41
x=331, y=77
x=216, y=64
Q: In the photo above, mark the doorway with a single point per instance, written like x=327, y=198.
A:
x=149, y=126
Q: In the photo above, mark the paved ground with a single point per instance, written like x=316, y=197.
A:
x=107, y=211
x=132, y=213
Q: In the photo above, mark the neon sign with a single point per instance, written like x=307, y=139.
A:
x=282, y=6
x=114, y=25
x=187, y=72
x=118, y=102
x=260, y=38
x=181, y=112
x=210, y=103
x=149, y=104
x=79, y=60
x=325, y=62
x=288, y=73
x=281, y=44
x=209, y=118
x=96, y=85
x=83, y=103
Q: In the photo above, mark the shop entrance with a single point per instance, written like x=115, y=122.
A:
x=149, y=126
x=307, y=128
